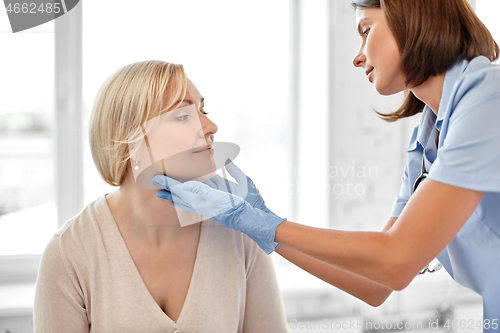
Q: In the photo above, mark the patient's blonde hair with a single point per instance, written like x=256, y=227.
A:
x=128, y=98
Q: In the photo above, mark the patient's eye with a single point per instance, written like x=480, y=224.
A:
x=203, y=111
x=182, y=118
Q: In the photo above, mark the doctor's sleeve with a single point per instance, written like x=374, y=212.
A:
x=59, y=305
x=470, y=154
x=404, y=195
x=264, y=309
x=406, y=189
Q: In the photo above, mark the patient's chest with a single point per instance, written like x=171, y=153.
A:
x=167, y=282
x=166, y=274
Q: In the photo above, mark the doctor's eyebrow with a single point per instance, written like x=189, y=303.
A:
x=359, y=25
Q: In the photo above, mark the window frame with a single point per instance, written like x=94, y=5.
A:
x=68, y=138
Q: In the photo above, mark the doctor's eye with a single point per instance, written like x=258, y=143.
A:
x=203, y=112
x=366, y=32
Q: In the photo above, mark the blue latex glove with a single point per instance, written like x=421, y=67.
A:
x=229, y=209
x=245, y=188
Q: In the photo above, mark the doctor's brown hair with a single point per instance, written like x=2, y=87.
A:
x=431, y=36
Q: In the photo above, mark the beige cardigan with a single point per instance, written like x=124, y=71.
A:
x=88, y=282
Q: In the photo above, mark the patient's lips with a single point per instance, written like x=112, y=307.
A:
x=204, y=149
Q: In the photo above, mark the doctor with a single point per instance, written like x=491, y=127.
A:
x=440, y=54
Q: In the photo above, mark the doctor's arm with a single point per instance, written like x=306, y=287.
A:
x=431, y=219
x=366, y=290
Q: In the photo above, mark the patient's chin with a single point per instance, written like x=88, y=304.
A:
x=205, y=177
x=191, y=175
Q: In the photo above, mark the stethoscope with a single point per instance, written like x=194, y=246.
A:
x=423, y=175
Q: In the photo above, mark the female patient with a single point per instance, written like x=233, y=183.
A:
x=124, y=264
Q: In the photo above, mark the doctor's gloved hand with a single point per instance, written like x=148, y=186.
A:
x=228, y=209
x=245, y=188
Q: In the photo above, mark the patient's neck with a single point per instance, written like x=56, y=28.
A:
x=144, y=217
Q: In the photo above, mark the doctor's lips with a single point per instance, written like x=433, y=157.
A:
x=368, y=71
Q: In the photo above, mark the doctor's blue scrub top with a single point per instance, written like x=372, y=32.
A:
x=467, y=156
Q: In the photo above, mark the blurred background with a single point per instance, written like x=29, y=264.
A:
x=278, y=80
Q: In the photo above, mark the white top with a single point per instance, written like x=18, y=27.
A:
x=88, y=282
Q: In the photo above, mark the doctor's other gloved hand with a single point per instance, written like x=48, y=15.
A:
x=228, y=209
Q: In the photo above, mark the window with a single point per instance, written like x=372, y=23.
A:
x=488, y=11
x=27, y=191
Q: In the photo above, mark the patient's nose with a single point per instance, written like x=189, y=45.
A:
x=208, y=127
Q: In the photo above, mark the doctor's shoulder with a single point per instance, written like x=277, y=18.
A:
x=478, y=83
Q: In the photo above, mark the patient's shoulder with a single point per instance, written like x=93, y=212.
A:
x=88, y=215
x=77, y=239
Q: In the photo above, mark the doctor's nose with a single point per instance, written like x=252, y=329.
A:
x=359, y=59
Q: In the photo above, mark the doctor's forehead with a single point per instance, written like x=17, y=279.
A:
x=363, y=13
x=367, y=16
